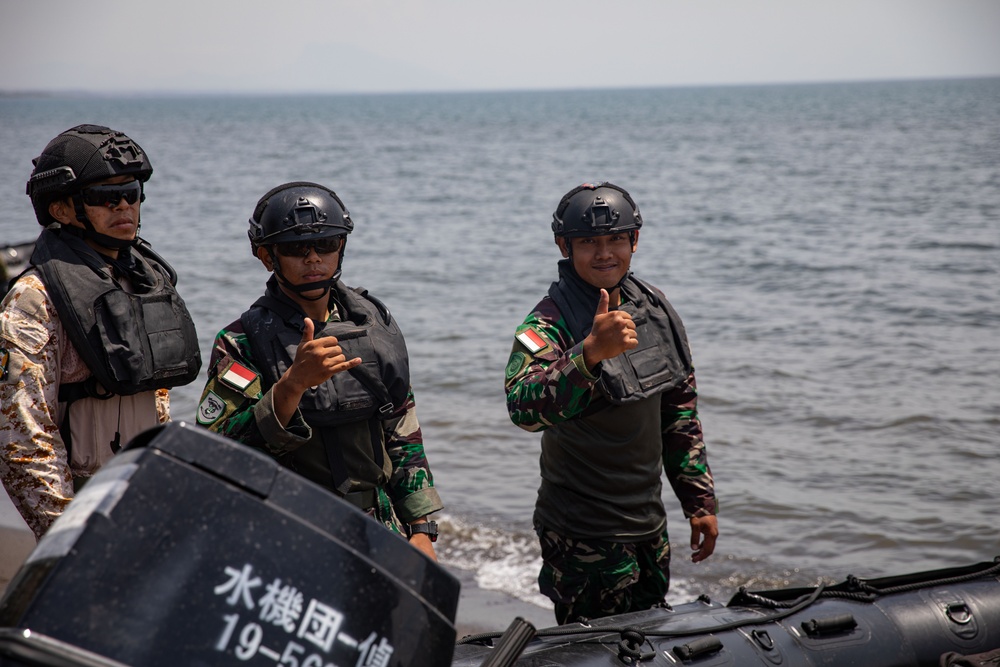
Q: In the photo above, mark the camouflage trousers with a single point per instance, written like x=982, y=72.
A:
x=595, y=578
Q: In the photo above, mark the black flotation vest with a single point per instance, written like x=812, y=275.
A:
x=131, y=342
x=369, y=392
x=660, y=362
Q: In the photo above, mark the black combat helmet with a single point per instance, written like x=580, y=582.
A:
x=595, y=209
x=79, y=156
x=298, y=211
x=295, y=212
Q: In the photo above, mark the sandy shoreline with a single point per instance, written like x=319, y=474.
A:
x=478, y=610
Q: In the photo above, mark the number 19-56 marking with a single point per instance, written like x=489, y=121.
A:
x=249, y=644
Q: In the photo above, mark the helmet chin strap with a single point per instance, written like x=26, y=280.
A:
x=88, y=233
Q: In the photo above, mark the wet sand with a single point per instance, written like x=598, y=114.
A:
x=480, y=610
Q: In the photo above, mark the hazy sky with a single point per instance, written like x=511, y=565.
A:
x=402, y=45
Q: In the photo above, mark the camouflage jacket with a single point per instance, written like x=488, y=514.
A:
x=36, y=357
x=548, y=384
x=247, y=415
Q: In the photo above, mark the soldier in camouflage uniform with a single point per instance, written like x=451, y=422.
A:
x=76, y=376
x=602, y=368
x=316, y=374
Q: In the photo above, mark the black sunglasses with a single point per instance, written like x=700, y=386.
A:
x=110, y=195
x=302, y=248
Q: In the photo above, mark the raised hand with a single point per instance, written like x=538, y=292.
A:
x=316, y=361
x=613, y=333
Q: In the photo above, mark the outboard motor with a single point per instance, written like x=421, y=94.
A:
x=191, y=549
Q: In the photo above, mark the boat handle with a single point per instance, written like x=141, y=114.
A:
x=763, y=639
x=826, y=626
x=959, y=612
x=698, y=647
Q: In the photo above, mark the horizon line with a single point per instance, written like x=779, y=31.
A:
x=177, y=92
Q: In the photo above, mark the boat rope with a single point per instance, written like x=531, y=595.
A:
x=628, y=648
x=578, y=629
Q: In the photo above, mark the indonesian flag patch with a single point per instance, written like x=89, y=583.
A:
x=237, y=376
x=532, y=340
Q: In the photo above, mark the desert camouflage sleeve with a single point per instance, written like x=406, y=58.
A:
x=33, y=461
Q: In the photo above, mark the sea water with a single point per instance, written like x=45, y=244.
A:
x=834, y=251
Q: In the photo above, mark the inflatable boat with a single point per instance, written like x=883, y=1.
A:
x=191, y=550
x=914, y=619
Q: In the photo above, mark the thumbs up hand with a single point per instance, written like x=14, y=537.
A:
x=613, y=333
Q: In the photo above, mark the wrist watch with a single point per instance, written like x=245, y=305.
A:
x=431, y=528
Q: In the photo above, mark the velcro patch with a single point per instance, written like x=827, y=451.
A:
x=517, y=361
x=4, y=360
x=532, y=340
x=211, y=408
x=237, y=376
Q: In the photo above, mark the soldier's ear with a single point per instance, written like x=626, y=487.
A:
x=265, y=257
x=63, y=211
x=563, y=244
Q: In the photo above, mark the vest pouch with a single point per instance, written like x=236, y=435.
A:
x=348, y=398
x=651, y=366
x=119, y=323
x=165, y=321
x=642, y=371
x=342, y=398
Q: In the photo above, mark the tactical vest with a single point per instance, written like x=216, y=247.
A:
x=607, y=462
x=131, y=342
x=660, y=362
x=369, y=392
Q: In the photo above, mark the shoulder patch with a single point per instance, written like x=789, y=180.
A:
x=23, y=331
x=237, y=376
x=532, y=340
x=211, y=408
x=516, y=363
x=4, y=360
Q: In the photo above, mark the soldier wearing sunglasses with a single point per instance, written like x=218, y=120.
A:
x=316, y=373
x=94, y=333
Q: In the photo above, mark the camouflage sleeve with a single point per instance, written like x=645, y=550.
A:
x=411, y=487
x=234, y=405
x=33, y=461
x=685, y=459
x=547, y=381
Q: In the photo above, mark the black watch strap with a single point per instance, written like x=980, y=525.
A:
x=430, y=528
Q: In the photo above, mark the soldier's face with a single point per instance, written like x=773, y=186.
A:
x=119, y=220
x=313, y=267
x=602, y=261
